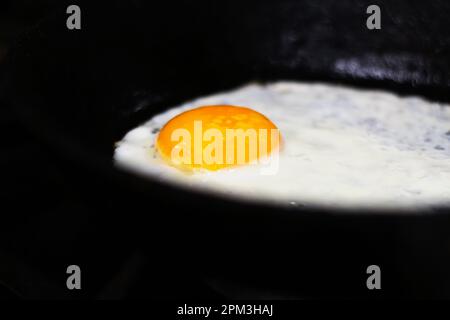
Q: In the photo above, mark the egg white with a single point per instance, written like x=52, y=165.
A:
x=341, y=146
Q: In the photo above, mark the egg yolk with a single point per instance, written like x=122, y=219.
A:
x=217, y=137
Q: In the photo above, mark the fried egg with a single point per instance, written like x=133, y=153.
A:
x=335, y=145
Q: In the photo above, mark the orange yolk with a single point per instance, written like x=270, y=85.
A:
x=217, y=137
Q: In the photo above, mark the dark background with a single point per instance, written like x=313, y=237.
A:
x=47, y=224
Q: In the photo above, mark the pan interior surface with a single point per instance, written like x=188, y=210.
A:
x=89, y=88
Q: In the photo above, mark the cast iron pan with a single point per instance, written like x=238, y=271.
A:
x=80, y=91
